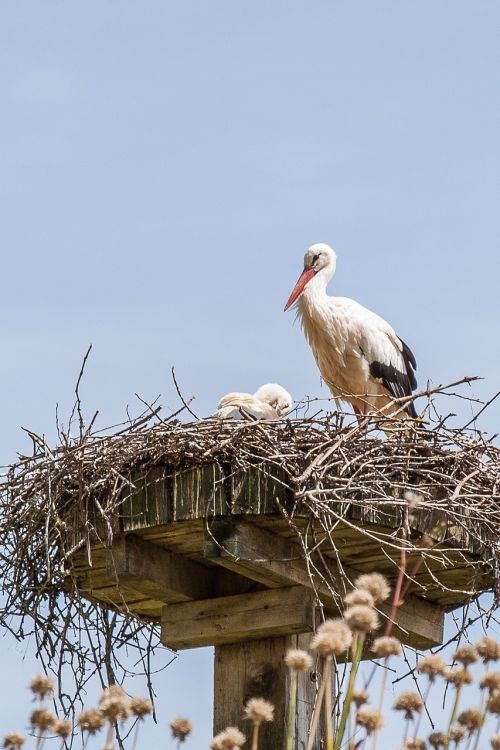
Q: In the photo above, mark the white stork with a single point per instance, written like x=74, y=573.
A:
x=359, y=355
x=270, y=401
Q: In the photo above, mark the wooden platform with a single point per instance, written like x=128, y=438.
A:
x=217, y=558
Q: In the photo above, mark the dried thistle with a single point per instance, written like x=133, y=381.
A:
x=298, y=660
x=495, y=742
x=62, y=727
x=471, y=718
x=370, y=719
x=229, y=739
x=13, y=741
x=332, y=638
x=181, y=728
x=376, y=584
x=361, y=619
x=386, y=646
x=466, y=654
x=494, y=702
x=91, y=720
x=141, y=707
x=258, y=710
x=114, y=703
x=42, y=686
x=359, y=697
x=456, y=733
x=432, y=665
x=415, y=743
x=42, y=719
x=438, y=739
x=409, y=702
x=359, y=596
x=488, y=649
x=458, y=676
x=490, y=681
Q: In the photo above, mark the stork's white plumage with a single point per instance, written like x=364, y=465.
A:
x=358, y=353
x=270, y=401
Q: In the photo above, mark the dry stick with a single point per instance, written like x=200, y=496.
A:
x=291, y=709
x=255, y=736
x=186, y=403
x=328, y=703
x=357, y=651
x=316, y=714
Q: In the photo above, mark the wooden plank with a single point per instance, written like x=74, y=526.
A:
x=157, y=572
x=276, y=561
x=231, y=619
x=256, y=669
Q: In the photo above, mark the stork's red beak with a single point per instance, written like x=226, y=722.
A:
x=304, y=278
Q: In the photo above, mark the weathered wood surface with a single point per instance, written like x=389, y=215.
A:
x=170, y=546
x=247, y=670
x=276, y=561
x=231, y=619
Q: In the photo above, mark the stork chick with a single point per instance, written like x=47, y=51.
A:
x=270, y=401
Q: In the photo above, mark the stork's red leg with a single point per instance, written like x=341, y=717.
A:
x=361, y=417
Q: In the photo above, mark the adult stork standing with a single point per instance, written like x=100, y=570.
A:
x=358, y=353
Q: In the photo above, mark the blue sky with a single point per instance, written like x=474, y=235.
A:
x=165, y=165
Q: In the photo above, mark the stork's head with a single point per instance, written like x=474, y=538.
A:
x=276, y=396
x=319, y=263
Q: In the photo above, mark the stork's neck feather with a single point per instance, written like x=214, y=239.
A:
x=314, y=296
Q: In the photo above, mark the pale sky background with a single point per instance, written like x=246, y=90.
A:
x=164, y=166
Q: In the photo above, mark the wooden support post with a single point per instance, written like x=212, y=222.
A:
x=230, y=619
x=275, y=561
x=256, y=670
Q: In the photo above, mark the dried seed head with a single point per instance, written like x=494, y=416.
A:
x=438, y=739
x=359, y=596
x=494, y=702
x=415, y=743
x=108, y=746
x=229, y=739
x=386, y=646
x=181, y=728
x=376, y=584
x=471, y=718
x=488, y=648
x=42, y=719
x=141, y=707
x=42, y=686
x=114, y=703
x=459, y=676
x=361, y=619
x=91, y=721
x=13, y=741
x=259, y=710
x=490, y=681
x=495, y=742
x=62, y=727
x=332, y=638
x=466, y=654
x=298, y=660
x=370, y=719
x=359, y=697
x=432, y=665
x=456, y=733
x=408, y=702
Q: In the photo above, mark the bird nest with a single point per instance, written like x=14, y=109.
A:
x=431, y=490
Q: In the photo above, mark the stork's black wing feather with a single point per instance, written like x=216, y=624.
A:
x=398, y=383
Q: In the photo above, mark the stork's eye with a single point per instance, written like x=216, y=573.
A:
x=315, y=259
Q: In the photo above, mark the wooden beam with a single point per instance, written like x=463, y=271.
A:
x=156, y=572
x=276, y=561
x=230, y=619
x=256, y=669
